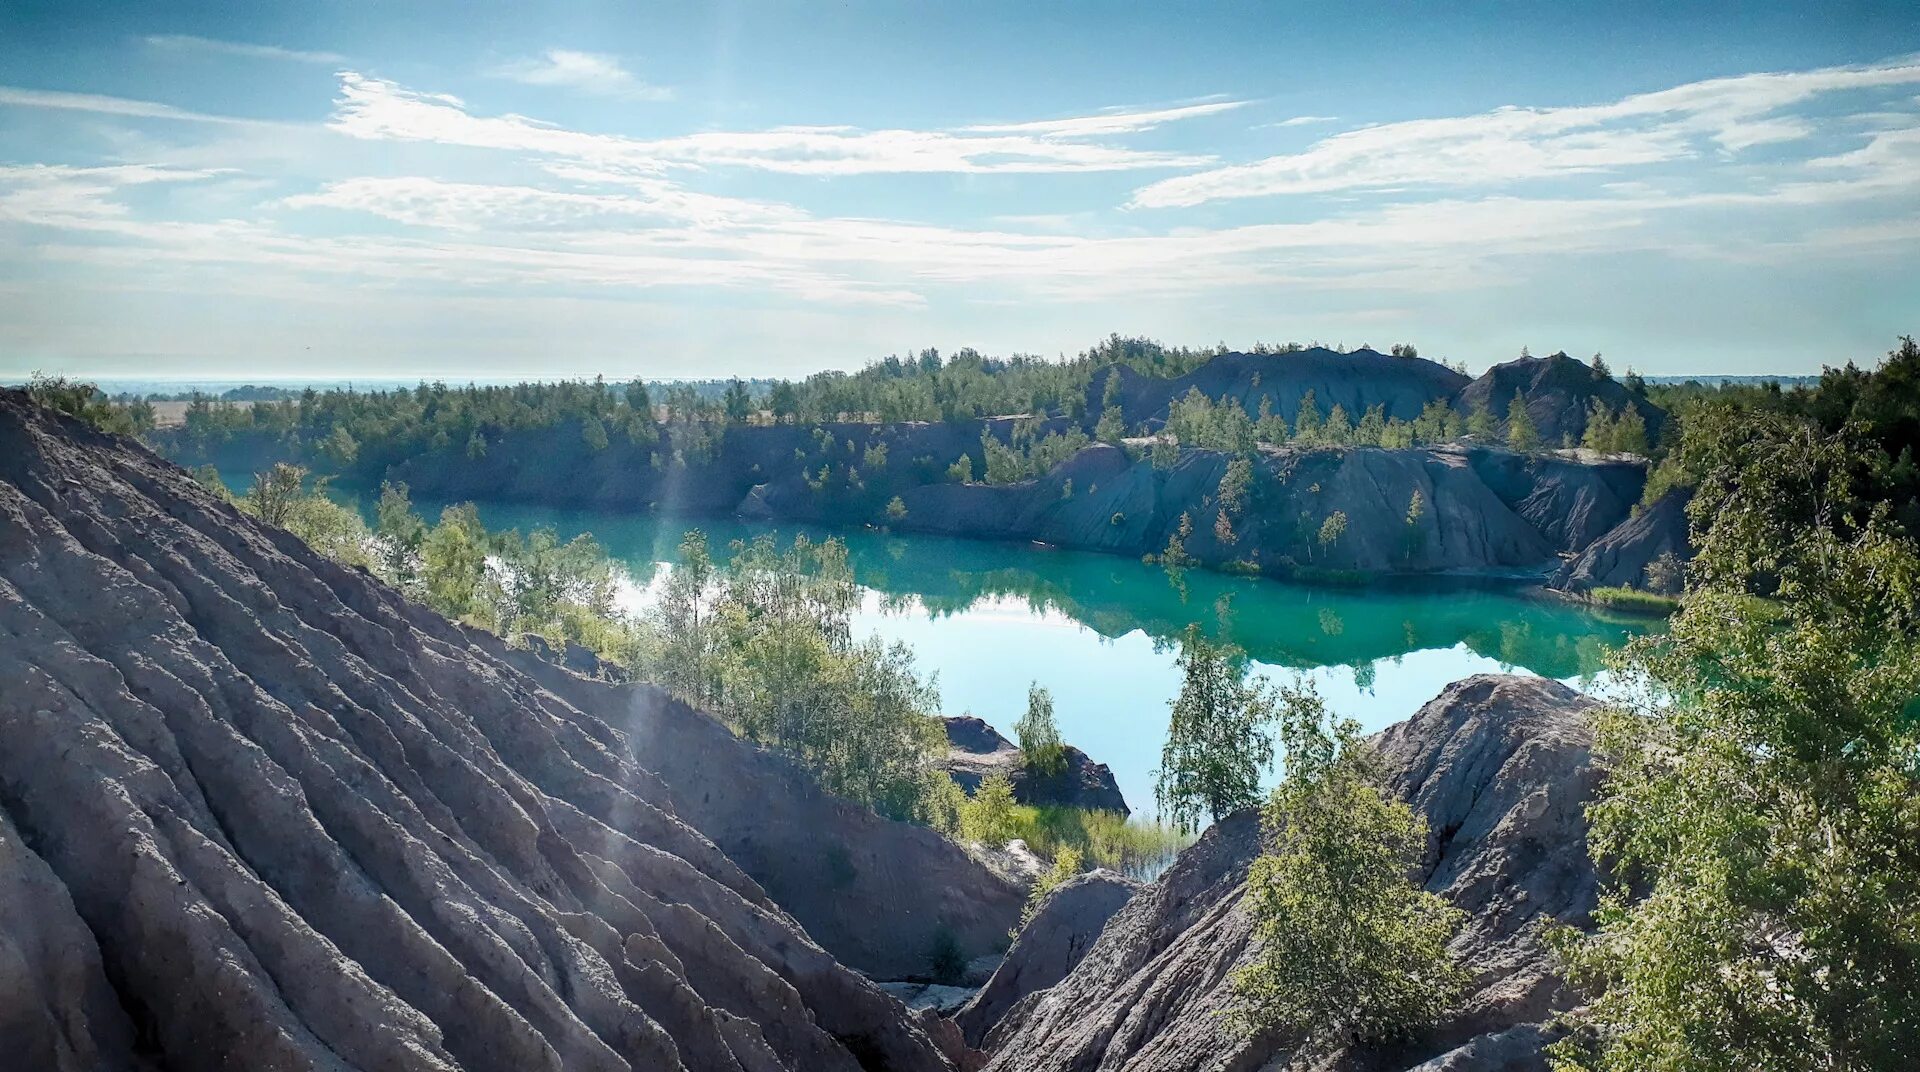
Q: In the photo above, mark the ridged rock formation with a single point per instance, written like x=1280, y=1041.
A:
x=1056, y=939
x=1621, y=557
x=257, y=811
x=1500, y=767
x=1558, y=393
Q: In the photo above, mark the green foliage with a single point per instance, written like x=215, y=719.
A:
x=989, y=817
x=767, y=644
x=400, y=534
x=87, y=402
x=593, y=431
x=946, y=961
x=1633, y=600
x=1347, y=947
x=280, y=497
x=897, y=509
x=1760, y=819
x=737, y=404
x=1522, y=435
x=1066, y=864
x=961, y=471
x=1480, y=421
x=1333, y=528
x=1307, y=422
x=1610, y=434
x=1198, y=421
x=1005, y=465
x=1039, y=735
x=1217, y=741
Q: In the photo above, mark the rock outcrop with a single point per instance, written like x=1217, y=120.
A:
x=1056, y=939
x=1500, y=767
x=258, y=811
x=1620, y=557
x=975, y=750
x=1482, y=510
x=1558, y=393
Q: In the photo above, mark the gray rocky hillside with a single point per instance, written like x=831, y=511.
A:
x=257, y=811
x=1500, y=766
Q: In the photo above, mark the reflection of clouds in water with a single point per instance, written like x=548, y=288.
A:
x=995, y=608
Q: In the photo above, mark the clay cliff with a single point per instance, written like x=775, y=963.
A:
x=257, y=811
x=1482, y=510
x=1620, y=558
x=1500, y=766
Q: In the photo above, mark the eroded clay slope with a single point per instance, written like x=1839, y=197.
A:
x=1499, y=765
x=256, y=811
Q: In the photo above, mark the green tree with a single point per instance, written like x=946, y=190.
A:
x=1234, y=483
x=1347, y=948
x=340, y=447
x=593, y=431
x=401, y=534
x=1480, y=420
x=453, y=563
x=1217, y=740
x=1521, y=433
x=1039, y=735
x=1630, y=432
x=961, y=470
x=275, y=493
x=896, y=509
x=989, y=817
x=1332, y=529
x=1599, y=434
x=1338, y=430
x=737, y=403
x=784, y=401
x=1760, y=819
x=1307, y=422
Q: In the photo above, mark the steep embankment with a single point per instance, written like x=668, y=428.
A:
x=1620, y=557
x=258, y=811
x=1480, y=509
x=1499, y=766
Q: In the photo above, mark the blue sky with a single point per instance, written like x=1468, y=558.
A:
x=404, y=189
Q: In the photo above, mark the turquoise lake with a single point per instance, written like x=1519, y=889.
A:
x=989, y=618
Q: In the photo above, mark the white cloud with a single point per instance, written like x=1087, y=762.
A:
x=378, y=109
x=1514, y=143
x=93, y=102
x=585, y=72
x=190, y=43
x=1307, y=120
x=1113, y=121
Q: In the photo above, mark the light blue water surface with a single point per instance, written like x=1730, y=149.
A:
x=989, y=618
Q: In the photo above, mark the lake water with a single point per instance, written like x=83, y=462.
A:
x=989, y=618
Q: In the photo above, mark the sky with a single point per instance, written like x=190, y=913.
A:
x=481, y=189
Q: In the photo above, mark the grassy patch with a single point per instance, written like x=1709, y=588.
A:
x=1102, y=838
x=1633, y=601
